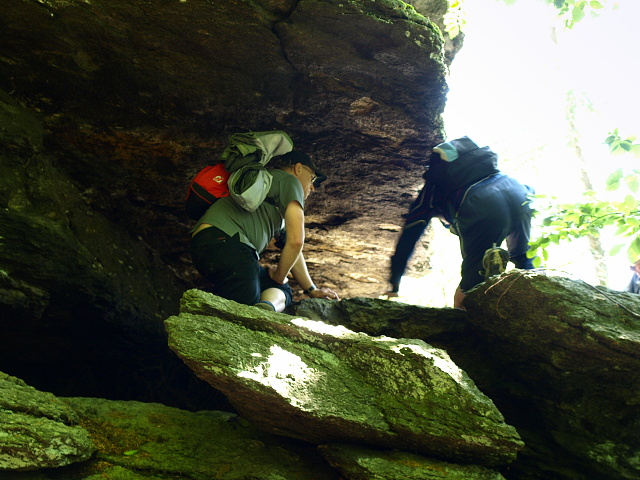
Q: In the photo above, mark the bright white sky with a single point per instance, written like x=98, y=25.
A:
x=509, y=81
x=508, y=87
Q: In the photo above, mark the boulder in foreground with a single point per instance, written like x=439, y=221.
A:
x=322, y=384
x=569, y=356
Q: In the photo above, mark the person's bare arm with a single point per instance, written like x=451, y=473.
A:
x=292, y=260
x=294, y=225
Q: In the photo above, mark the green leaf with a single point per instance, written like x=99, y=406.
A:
x=632, y=182
x=631, y=202
x=616, y=249
x=613, y=180
x=622, y=230
x=130, y=452
x=634, y=250
x=572, y=218
x=578, y=13
x=595, y=4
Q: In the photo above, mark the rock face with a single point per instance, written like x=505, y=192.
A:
x=141, y=441
x=109, y=108
x=137, y=99
x=37, y=430
x=322, y=384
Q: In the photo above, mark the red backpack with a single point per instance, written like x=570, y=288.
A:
x=207, y=186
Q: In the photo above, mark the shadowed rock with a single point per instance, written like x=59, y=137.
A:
x=37, y=430
x=156, y=441
x=376, y=317
x=360, y=463
x=570, y=357
x=320, y=383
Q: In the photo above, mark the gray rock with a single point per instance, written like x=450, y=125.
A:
x=37, y=430
x=320, y=383
x=570, y=357
x=360, y=463
x=149, y=441
x=381, y=317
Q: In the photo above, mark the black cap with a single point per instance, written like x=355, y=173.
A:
x=296, y=156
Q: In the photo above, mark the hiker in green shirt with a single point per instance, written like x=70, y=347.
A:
x=227, y=240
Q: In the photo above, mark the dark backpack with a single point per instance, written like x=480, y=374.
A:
x=207, y=186
x=473, y=163
x=444, y=179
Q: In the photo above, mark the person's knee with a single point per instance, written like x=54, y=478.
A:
x=281, y=294
x=275, y=297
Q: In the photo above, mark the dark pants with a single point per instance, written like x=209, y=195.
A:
x=492, y=211
x=232, y=267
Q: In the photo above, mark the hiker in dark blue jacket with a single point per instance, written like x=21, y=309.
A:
x=634, y=283
x=483, y=207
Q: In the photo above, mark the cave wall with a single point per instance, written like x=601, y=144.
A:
x=110, y=107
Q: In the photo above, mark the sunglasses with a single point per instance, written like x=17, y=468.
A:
x=314, y=177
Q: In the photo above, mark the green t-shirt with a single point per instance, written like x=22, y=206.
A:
x=256, y=229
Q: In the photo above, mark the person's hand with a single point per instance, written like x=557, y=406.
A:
x=272, y=274
x=324, y=293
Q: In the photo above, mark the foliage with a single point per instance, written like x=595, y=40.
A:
x=572, y=11
x=455, y=19
x=586, y=218
x=569, y=11
x=618, y=144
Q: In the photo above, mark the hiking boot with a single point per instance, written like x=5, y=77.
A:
x=494, y=261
